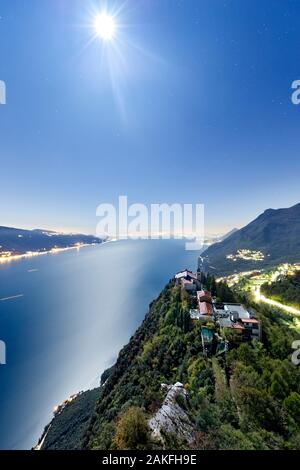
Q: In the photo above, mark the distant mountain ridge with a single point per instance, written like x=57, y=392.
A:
x=20, y=241
x=227, y=235
x=275, y=233
x=216, y=238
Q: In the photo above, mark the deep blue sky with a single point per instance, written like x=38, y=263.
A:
x=196, y=107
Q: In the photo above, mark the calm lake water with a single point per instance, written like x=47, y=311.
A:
x=74, y=312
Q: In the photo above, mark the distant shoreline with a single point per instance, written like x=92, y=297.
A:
x=53, y=251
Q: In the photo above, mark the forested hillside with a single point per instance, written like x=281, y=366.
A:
x=271, y=239
x=286, y=290
x=246, y=399
x=19, y=241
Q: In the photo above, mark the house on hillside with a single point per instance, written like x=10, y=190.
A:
x=232, y=317
x=205, y=307
x=186, y=274
x=252, y=328
x=187, y=280
x=204, y=296
x=238, y=319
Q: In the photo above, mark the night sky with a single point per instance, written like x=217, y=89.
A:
x=190, y=103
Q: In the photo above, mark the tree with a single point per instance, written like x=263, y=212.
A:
x=213, y=287
x=292, y=404
x=279, y=387
x=132, y=432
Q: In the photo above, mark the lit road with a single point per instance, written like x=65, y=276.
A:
x=261, y=298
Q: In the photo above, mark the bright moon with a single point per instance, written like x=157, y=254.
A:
x=105, y=26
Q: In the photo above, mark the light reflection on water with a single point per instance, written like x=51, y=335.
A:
x=75, y=311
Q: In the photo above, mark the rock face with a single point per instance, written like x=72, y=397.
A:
x=172, y=418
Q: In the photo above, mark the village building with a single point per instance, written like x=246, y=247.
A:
x=205, y=303
x=186, y=274
x=252, y=328
x=206, y=308
x=204, y=296
x=238, y=319
x=187, y=280
x=229, y=316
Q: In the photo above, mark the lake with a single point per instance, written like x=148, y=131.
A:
x=64, y=320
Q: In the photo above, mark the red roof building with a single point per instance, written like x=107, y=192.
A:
x=205, y=308
x=204, y=296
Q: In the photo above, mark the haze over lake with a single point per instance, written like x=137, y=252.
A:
x=64, y=319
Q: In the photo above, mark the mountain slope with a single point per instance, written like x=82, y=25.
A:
x=275, y=233
x=227, y=235
x=19, y=241
x=70, y=424
x=216, y=238
x=247, y=399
